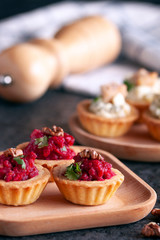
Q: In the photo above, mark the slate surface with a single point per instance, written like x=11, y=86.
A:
x=55, y=107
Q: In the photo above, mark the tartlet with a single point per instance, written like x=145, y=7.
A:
x=87, y=192
x=151, y=118
x=59, y=155
x=106, y=126
x=142, y=86
x=21, y=192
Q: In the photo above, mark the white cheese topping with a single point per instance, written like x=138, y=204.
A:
x=155, y=106
x=145, y=93
x=118, y=107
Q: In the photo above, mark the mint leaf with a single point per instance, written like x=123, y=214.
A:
x=41, y=142
x=20, y=161
x=96, y=99
x=73, y=171
x=77, y=169
x=63, y=149
x=128, y=84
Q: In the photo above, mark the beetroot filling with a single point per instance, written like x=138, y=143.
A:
x=94, y=169
x=54, y=147
x=10, y=170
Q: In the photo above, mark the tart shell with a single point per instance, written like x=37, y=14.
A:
x=153, y=125
x=86, y=192
x=140, y=106
x=105, y=127
x=24, y=192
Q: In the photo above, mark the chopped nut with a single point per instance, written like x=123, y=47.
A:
x=58, y=130
x=87, y=153
x=14, y=152
x=55, y=131
x=151, y=229
x=108, y=92
x=47, y=131
x=144, y=77
x=156, y=212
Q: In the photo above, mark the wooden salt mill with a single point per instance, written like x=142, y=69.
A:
x=27, y=70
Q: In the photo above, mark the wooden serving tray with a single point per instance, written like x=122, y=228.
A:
x=52, y=213
x=136, y=145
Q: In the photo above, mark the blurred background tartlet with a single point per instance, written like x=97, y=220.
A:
x=108, y=115
x=151, y=117
x=142, y=86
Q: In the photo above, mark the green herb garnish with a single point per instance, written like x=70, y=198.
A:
x=63, y=149
x=128, y=84
x=41, y=142
x=73, y=171
x=96, y=99
x=20, y=161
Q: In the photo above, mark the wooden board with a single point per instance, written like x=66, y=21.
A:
x=136, y=145
x=52, y=213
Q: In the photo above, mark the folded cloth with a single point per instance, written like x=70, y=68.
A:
x=89, y=83
x=138, y=23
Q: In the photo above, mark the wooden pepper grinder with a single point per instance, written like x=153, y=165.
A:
x=27, y=70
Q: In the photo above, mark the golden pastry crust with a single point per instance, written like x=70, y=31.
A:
x=141, y=106
x=24, y=192
x=105, y=127
x=49, y=164
x=153, y=124
x=87, y=192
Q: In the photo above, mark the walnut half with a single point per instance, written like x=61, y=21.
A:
x=109, y=91
x=87, y=153
x=144, y=77
x=55, y=131
x=13, y=152
x=151, y=229
x=156, y=212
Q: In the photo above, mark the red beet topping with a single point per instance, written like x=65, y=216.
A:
x=54, y=147
x=10, y=170
x=94, y=169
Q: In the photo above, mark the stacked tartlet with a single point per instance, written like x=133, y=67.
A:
x=108, y=115
x=51, y=145
x=151, y=117
x=88, y=181
x=85, y=178
x=21, y=181
x=142, y=86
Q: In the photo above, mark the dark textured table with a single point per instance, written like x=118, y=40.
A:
x=55, y=107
